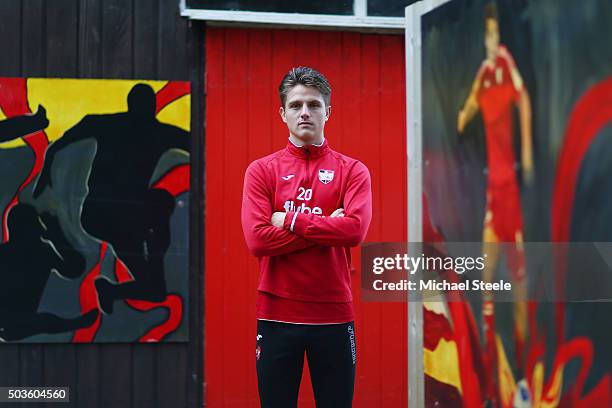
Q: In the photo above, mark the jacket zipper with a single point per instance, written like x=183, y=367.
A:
x=308, y=167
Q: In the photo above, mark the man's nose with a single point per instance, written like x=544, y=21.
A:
x=305, y=112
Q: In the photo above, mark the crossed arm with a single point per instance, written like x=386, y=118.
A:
x=269, y=234
x=263, y=238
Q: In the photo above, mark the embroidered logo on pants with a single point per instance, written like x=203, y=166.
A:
x=352, y=340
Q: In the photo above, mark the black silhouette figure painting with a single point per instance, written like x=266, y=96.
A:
x=26, y=262
x=95, y=221
x=23, y=125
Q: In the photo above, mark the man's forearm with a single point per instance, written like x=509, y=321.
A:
x=344, y=231
x=272, y=241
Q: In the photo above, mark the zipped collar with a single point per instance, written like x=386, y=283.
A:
x=308, y=151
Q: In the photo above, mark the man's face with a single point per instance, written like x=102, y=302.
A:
x=305, y=114
x=491, y=39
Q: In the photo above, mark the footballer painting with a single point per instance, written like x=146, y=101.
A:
x=516, y=145
x=94, y=200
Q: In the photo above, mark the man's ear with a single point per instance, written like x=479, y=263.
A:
x=327, y=112
x=281, y=112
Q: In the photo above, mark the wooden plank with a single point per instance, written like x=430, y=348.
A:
x=236, y=337
x=10, y=363
x=117, y=39
x=353, y=138
x=61, y=38
x=115, y=375
x=90, y=39
x=146, y=26
x=87, y=392
x=89, y=59
x=30, y=366
x=173, y=61
x=144, y=374
x=307, y=52
x=371, y=350
x=262, y=95
x=195, y=374
x=214, y=292
x=32, y=51
x=171, y=359
x=10, y=30
x=263, y=105
x=393, y=151
x=59, y=366
x=284, y=57
x=330, y=47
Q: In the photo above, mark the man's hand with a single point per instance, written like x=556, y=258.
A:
x=338, y=213
x=278, y=219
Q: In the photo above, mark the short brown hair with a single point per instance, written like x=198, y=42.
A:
x=304, y=76
x=491, y=12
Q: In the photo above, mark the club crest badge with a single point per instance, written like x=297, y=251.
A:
x=326, y=176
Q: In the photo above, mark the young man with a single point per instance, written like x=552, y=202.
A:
x=497, y=88
x=303, y=207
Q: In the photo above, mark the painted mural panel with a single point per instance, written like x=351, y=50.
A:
x=517, y=115
x=94, y=201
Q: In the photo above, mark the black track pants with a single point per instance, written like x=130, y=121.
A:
x=331, y=353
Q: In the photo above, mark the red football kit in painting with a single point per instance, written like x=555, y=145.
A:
x=499, y=89
x=305, y=266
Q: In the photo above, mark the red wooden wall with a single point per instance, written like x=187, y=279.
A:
x=243, y=70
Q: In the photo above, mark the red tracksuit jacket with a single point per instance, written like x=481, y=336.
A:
x=305, y=266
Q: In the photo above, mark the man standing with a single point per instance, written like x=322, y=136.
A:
x=303, y=207
x=497, y=88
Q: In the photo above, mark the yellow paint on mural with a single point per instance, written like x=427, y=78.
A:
x=553, y=394
x=67, y=101
x=442, y=363
x=506, y=381
x=178, y=113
